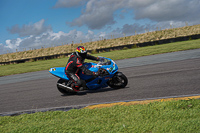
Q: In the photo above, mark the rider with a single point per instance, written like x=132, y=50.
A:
x=75, y=63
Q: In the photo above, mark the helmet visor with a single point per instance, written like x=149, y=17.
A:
x=83, y=55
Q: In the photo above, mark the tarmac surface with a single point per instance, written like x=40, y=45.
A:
x=174, y=74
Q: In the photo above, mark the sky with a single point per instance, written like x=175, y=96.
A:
x=33, y=24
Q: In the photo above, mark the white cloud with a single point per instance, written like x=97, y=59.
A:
x=30, y=29
x=47, y=39
x=170, y=10
x=97, y=14
x=130, y=29
x=100, y=13
x=6, y=49
x=13, y=44
x=69, y=3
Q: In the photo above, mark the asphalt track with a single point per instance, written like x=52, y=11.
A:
x=150, y=77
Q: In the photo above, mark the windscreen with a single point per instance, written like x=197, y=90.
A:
x=104, y=62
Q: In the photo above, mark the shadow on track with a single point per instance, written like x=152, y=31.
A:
x=93, y=91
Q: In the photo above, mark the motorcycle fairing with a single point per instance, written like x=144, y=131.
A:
x=59, y=72
x=97, y=83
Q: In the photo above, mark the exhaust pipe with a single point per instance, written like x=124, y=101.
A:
x=64, y=87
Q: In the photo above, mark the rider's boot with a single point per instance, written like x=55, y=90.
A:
x=75, y=88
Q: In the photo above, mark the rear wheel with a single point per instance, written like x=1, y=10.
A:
x=61, y=85
x=118, y=81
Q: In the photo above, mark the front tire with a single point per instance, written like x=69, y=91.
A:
x=118, y=81
x=62, y=90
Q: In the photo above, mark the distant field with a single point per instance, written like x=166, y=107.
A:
x=115, y=55
x=104, y=42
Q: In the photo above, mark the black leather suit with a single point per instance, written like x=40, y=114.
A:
x=75, y=64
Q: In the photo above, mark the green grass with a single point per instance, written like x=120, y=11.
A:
x=115, y=55
x=172, y=116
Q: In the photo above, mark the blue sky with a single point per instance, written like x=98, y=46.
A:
x=26, y=24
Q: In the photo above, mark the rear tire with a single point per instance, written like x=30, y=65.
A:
x=118, y=81
x=65, y=91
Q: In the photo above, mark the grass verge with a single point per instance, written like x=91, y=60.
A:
x=115, y=55
x=170, y=116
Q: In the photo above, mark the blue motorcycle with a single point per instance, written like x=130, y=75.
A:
x=109, y=76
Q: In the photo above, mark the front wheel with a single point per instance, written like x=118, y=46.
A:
x=118, y=81
x=61, y=85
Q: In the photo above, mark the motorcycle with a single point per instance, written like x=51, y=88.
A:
x=109, y=76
